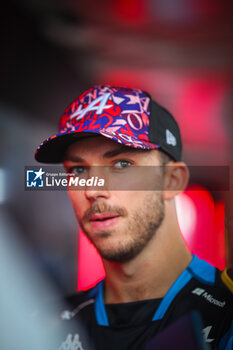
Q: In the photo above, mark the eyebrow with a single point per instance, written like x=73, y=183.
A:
x=109, y=154
x=122, y=149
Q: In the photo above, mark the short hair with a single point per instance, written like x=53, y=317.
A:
x=165, y=158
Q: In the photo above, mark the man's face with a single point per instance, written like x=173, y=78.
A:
x=119, y=223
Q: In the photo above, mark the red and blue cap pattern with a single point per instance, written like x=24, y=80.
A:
x=119, y=113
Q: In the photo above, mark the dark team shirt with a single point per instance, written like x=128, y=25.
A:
x=88, y=323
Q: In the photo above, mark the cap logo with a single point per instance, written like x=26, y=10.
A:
x=98, y=105
x=170, y=138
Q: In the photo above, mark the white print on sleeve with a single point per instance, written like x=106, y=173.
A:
x=71, y=343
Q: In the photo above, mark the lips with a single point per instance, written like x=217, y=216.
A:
x=102, y=216
x=103, y=220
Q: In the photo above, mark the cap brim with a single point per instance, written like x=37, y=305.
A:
x=53, y=149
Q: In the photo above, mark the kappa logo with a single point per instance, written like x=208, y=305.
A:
x=170, y=138
x=71, y=343
x=201, y=292
x=98, y=105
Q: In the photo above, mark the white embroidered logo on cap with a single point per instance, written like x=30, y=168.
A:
x=170, y=138
x=98, y=105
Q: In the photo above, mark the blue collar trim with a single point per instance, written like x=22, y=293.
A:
x=198, y=269
x=100, y=311
x=202, y=270
x=181, y=281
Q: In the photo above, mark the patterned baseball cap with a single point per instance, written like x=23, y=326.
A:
x=127, y=116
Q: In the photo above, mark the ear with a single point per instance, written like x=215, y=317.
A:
x=176, y=178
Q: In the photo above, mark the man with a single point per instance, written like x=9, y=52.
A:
x=151, y=278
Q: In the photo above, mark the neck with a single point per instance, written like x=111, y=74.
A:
x=150, y=274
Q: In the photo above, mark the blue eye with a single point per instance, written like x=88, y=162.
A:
x=122, y=164
x=77, y=170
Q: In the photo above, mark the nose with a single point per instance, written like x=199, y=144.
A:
x=96, y=185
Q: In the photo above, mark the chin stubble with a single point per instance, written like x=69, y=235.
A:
x=142, y=226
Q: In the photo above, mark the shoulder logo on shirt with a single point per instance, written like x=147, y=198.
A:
x=71, y=343
x=201, y=292
x=198, y=291
x=206, y=332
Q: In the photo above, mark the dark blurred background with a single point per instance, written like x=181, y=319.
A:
x=180, y=51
